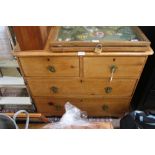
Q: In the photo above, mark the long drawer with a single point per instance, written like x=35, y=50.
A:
x=121, y=66
x=50, y=66
x=73, y=86
x=93, y=106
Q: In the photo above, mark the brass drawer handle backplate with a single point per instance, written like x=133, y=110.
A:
x=105, y=107
x=54, y=89
x=108, y=90
x=51, y=69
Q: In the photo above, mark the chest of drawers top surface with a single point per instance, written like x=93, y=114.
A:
x=94, y=40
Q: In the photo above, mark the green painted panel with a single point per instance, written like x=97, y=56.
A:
x=93, y=33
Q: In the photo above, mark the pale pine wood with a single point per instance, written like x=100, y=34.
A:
x=48, y=104
x=48, y=53
x=81, y=66
x=100, y=66
x=115, y=106
x=104, y=49
x=93, y=107
x=38, y=66
x=42, y=86
x=85, y=84
x=93, y=44
x=52, y=36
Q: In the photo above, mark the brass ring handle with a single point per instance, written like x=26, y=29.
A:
x=51, y=69
x=108, y=90
x=105, y=107
x=54, y=89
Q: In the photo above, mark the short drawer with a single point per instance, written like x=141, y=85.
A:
x=50, y=66
x=72, y=86
x=93, y=106
x=122, y=66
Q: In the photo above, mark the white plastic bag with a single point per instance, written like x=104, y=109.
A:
x=72, y=117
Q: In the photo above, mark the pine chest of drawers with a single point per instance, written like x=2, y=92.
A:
x=95, y=68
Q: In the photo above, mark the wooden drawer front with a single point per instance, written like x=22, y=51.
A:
x=93, y=106
x=72, y=86
x=50, y=66
x=52, y=106
x=106, y=106
x=102, y=66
